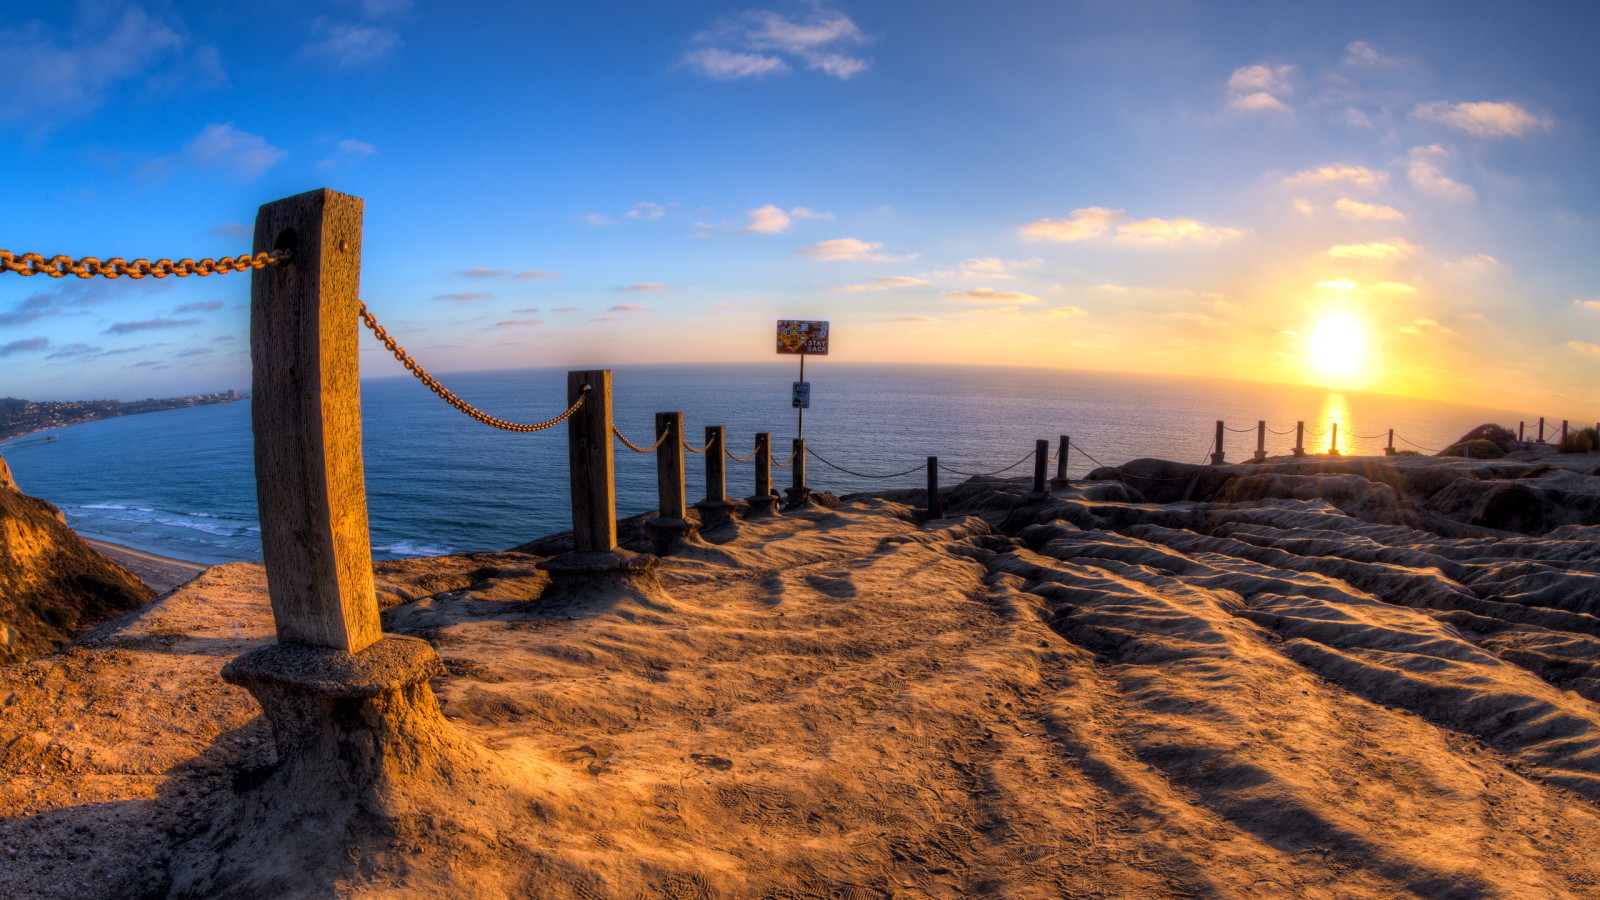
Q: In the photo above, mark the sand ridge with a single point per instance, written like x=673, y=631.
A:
x=1081, y=696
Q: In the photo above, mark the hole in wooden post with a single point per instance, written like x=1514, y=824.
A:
x=287, y=240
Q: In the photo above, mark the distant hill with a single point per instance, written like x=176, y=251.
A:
x=19, y=417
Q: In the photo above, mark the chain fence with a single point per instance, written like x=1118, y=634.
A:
x=818, y=457
x=116, y=267
x=635, y=447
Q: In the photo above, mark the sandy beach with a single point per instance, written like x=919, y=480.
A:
x=161, y=573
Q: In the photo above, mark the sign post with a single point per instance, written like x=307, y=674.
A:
x=802, y=337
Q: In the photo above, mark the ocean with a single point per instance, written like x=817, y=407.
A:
x=181, y=483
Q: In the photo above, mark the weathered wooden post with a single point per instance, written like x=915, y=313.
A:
x=935, y=505
x=1333, y=442
x=1218, y=457
x=596, y=570
x=1520, y=427
x=1541, y=429
x=798, y=494
x=1063, y=450
x=1261, y=441
x=670, y=527
x=1389, y=450
x=1563, y=431
x=716, y=509
x=763, y=502
x=1299, y=439
x=1041, y=466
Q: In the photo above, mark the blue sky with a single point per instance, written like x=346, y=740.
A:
x=1400, y=196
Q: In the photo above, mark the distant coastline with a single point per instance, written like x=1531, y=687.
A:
x=20, y=418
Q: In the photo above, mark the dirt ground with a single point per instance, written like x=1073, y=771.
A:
x=1073, y=697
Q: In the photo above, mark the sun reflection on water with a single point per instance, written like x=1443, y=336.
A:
x=1335, y=410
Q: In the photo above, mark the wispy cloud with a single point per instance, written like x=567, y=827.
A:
x=202, y=306
x=1484, y=119
x=73, y=351
x=509, y=274
x=1584, y=347
x=771, y=219
x=466, y=297
x=643, y=211
x=990, y=295
x=1337, y=175
x=149, y=325
x=349, y=45
x=26, y=345
x=629, y=307
x=759, y=42
x=222, y=146
x=347, y=152
x=1357, y=211
x=1425, y=174
x=921, y=320
x=1394, y=248
x=843, y=249
x=648, y=287
x=1587, y=304
x=1362, y=55
x=884, y=284
x=72, y=71
x=1099, y=223
x=1426, y=328
x=1259, y=90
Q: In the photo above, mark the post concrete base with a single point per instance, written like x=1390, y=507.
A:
x=1388, y=451
x=670, y=535
x=366, y=763
x=1299, y=451
x=760, y=506
x=797, y=498
x=1260, y=456
x=1218, y=459
x=1057, y=484
x=717, y=513
x=583, y=578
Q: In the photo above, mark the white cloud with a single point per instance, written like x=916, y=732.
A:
x=990, y=295
x=348, y=150
x=1362, y=55
x=762, y=42
x=914, y=319
x=347, y=45
x=1587, y=304
x=1357, y=211
x=648, y=287
x=1476, y=264
x=768, y=219
x=884, y=284
x=1422, y=169
x=1429, y=327
x=1259, y=90
x=226, y=147
x=1484, y=119
x=42, y=70
x=629, y=307
x=1394, y=248
x=1098, y=222
x=646, y=212
x=1083, y=225
x=1174, y=231
x=1061, y=312
x=1258, y=102
x=841, y=249
x=1355, y=176
x=1584, y=347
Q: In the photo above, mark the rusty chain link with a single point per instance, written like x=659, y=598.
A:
x=635, y=447
x=740, y=458
x=116, y=266
x=702, y=449
x=450, y=398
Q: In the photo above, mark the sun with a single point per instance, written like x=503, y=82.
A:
x=1336, y=353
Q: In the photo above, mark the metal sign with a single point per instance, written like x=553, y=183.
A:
x=802, y=395
x=803, y=337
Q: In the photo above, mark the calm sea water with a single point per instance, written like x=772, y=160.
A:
x=181, y=482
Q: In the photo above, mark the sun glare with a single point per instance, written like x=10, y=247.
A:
x=1336, y=354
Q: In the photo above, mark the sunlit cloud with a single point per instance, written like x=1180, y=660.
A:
x=1259, y=89
x=1476, y=264
x=1356, y=211
x=1394, y=248
x=994, y=311
x=1097, y=222
x=646, y=212
x=884, y=284
x=347, y=152
x=149, y=325
x=509, y=274
x=1584, y=347
x=990, y=295
x=1422, y=169
x=1258, y=102
x=771, y=219
x=1587, y=304
x=1061, y=312
x=1426, y=327
x=845, y=249
x=628, y=307
x=222, y=146
x=648, y=287
x=913, y=319
x=1362, y=55
x=467, y=297
x=1485, y=119
x=1337, y=175
x=761, y=42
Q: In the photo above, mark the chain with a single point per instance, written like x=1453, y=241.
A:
x=1416, y=445
x=986, y=474
x=785, y=465
x=739, y=458
x=702, y=449
x=818, y=457
x=635, y=447
x=450, y=398
x=1239, y=430
x=1285, y=431
x=116, y=266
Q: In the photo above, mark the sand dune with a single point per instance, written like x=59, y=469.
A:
x=1081, y=696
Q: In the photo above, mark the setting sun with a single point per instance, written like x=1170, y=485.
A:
x=1337, y=351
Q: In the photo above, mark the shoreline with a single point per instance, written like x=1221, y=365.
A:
x=161, y=573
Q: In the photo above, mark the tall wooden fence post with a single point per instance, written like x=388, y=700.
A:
x=798, y=494
x=1299, y=439
x=1261, y=440
x=763, y=502
x=1389, y=450
x=716, y=464
x=1063, y=450
x=1563, y=431
x=1541, y=429
x=1521, y=426
x=1041, y=465
x=306, y=415
x=935, y=505
x=1333, y=442
x=592, y=462
x=1217, y=456
x=670, y=527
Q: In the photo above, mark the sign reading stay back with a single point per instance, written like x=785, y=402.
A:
x=797, y=336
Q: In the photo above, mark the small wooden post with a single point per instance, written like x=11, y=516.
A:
x=935, y=507
x=1389, y=450
x=1333, y=442
x=763, y=464
x=1299, y=439
x=1041, y=464
x=1218, y=457
x=716, y=465
x=1541, y=429
x=1261, y=440
x=798, y=493
x=591, y=462
x=670, y=492
x=1563, y=431
x=306, y=415
x=1063, y=450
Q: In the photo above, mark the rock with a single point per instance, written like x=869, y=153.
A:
x=1475, y=449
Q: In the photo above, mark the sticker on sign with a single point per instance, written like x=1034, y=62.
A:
x=800, y=336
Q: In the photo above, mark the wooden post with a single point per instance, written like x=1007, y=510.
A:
x=1541, y=429
x=1299, y=439
x=591, y=462
x=763, y=464
x=1063, y=451
x=1333, y=442
x=798, y=466
x=1218, y=457
x=1041, y=464
x=1563, y=431
x=1261, y=440
x=306, y=415
x=716, y=465
x=670, y=491
x=935, y=508
x=1520, y=427
x=1389, y=450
